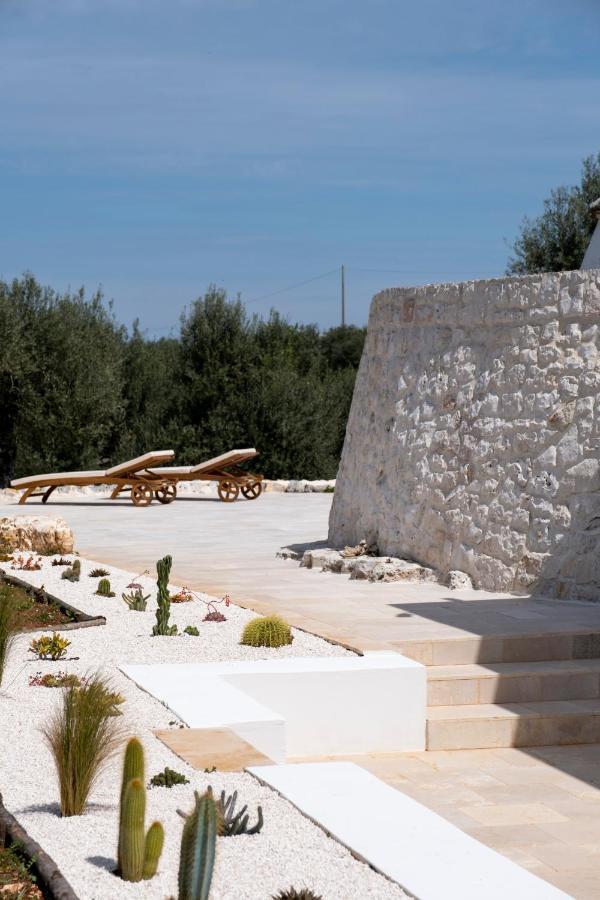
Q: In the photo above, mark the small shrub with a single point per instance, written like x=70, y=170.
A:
x=50, y=647
x=26, y=563
x=59, y=680
x=72, y=573
x=214, y=616
x=8, y=626
x=191, y=629
x=182, y=596
x=168, y=778
x=99, y=573
x=103, y=589
x=61, y=562
x=136, y=600
x=293, y=894
x=82, y=735
x=329, y=489
x=232, y=823
x=270, y=631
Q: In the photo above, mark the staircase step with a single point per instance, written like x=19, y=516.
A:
x=519, y=682
x=495, y=648
x=489, y=725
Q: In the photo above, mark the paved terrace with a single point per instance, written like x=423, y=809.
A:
x=540, y=806
x=219, y=548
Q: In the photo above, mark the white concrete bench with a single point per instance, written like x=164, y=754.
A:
x=304, y=706
x=428, y=856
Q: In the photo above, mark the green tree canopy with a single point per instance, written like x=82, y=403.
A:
x=557, y=239
x=77, y=391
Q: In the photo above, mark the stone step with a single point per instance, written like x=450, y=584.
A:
x=489, y=725
x=520, y=682
x=535, y=646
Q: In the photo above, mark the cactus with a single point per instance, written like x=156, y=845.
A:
x=191, y=629
x=104, y=588
x=270, y=631
x=138, y=855
x=163, y=610
x=153, y=845
x=198, y=842
x=136, y=600
x=73, y=572
x=232, y=823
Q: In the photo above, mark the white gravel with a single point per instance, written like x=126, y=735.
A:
x=289, y=850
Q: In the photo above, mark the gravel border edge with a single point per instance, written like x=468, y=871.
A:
x=53, y=881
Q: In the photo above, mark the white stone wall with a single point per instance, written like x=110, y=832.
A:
x=474, y=433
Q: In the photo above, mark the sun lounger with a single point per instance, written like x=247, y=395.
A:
x=225, y=470
x=134, y=476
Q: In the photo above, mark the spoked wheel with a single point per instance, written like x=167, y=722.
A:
x=252, y=490
x=141, y=494
x=166, y=493
x=228, y=491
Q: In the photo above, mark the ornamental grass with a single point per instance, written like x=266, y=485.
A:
x=82, y=735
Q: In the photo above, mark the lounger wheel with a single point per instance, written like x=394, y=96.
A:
x=141, y=494
x=166, y=494
x=252, y=490
x=228, y=491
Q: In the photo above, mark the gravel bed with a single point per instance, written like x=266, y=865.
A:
x=289, y=850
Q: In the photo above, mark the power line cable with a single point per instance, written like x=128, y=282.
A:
x=292, y=287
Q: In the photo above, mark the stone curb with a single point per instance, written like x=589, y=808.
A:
x=84, y=620
x=51, y=878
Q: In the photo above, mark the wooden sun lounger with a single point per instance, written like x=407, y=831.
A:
x=134, y=476
x=225, y=470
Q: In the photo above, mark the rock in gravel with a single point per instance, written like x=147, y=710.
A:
x=41, y=534
x=457, y=581
x=389, y=569
x=326, y=559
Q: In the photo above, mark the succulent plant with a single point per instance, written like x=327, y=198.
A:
x=198, y=844
x=191, y=629
x=61, y=562
x=232, y=823
x=49, y=647
x=73, y=572
x=268, y=631
x=138, y=852
x=168, y=778
x=163, y=609
x=99, y=573
x=214, y=616
x=293, y=894
x=104, y=589
x=58, y=680
x=136, y=600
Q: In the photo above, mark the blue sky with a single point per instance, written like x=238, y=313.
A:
x=153, y=147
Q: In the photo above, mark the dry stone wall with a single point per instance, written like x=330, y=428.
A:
x=474, y=434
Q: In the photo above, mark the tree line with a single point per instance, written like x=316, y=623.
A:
x=80, y=391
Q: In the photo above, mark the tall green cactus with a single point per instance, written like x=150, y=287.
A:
x=163, y=609
x=138, y=853
x=198, y=842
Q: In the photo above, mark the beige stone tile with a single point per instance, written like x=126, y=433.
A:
x=565, y=857
x=514, y=814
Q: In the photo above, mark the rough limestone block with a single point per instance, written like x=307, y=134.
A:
x=473, y=441
x=40, y=534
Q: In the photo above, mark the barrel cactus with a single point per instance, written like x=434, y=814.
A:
x=138, y=852
x=270, y=631
x=198, y=844
x=104, y=589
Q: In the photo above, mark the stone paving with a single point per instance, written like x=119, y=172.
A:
x=540, y=807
